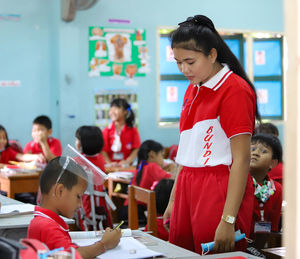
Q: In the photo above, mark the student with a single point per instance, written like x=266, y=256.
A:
x=213, y=193
x=42, y=142
x=62, y=188
x=266, y=151
x=162, y=191
x=269, y=128
x=8, y=154
x=149, y=170
x=121, y=138
x=151, y=165
x=89, y=141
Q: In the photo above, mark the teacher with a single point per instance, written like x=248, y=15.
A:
x=213, y=194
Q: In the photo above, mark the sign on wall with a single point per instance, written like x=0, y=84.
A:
x=118, y=53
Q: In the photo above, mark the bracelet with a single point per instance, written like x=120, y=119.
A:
x=103, y=246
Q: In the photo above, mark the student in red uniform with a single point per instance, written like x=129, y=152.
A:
x=269, y=128
x=162, y=191
x=150, y=169
x=62, y=188
x=213, y=193
x=121, y=138
x=266, y=151
x=9, y=154
x=151, y=165
x=89, y=141
x=42, y=142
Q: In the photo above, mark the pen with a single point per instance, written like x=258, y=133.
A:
x=119, y=225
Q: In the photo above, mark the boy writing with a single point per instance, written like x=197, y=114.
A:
x=62, y=184
x=266, y=151
x=42, y=142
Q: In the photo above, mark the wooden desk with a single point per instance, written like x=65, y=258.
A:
x=13, y=183
x=275, y=252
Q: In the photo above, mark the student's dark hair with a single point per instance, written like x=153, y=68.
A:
x=43, y=120
x=68, y=178
x=270, y=141
x=198, y=33
x=143, y=154
x=162, y=194
x=91, y=139
x=122, y=103
x=268, y=128
x=3, y=129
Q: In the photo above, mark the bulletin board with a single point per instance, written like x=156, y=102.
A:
x=102, y=100
x=118, y=53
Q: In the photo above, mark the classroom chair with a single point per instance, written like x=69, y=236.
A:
x=96, y=219
x=136, y=193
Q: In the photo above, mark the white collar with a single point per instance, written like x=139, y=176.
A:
x=218, y=79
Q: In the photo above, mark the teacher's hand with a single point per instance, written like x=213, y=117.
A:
x=224, y=237
x=167, y=215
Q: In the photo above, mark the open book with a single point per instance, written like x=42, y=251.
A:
x=16, y=209
x=129, y=246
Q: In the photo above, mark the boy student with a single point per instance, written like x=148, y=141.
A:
x=63, y=183
x=42, y=142
x=266, y=151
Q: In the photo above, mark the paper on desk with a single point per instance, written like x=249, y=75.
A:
x=122, y=175
x=127, y=248
x=16, y=209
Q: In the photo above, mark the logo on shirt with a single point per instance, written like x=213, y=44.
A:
x=208, y=143
x=129, y=145
x=184, y=104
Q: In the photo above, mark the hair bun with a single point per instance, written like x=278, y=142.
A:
x=199, y=20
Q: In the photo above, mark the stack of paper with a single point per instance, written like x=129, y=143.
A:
x=16, y=209
x=122, y=175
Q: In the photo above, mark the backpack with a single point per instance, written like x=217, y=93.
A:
x=29, y=248
x=26, y=248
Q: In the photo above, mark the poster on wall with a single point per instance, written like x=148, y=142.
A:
x=118, y=53
x=103, y=98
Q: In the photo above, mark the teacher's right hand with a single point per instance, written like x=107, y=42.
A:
x=167, y=215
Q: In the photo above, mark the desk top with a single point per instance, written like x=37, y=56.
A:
x=19, y=221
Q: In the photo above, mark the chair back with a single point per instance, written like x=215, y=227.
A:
x=136, y=193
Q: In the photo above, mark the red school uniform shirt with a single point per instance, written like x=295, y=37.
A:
x=34, y=147
x=211, y=114
x=151, y=172
x=49, y=228
x=8, y=154
x=277, y=173
x=271, y=208
x=129, y=137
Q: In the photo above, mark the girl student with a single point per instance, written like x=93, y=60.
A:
x=150, y=166
x=89, y=141
x=213, y=194
x=150, y=170
x=9, y=154
x=121, y=138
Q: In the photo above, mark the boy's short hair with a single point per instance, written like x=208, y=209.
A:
x=268, y=128
x=270, y=141
x=162, y=194
x=91, y=139
x=43, y=120
x=68, y=178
